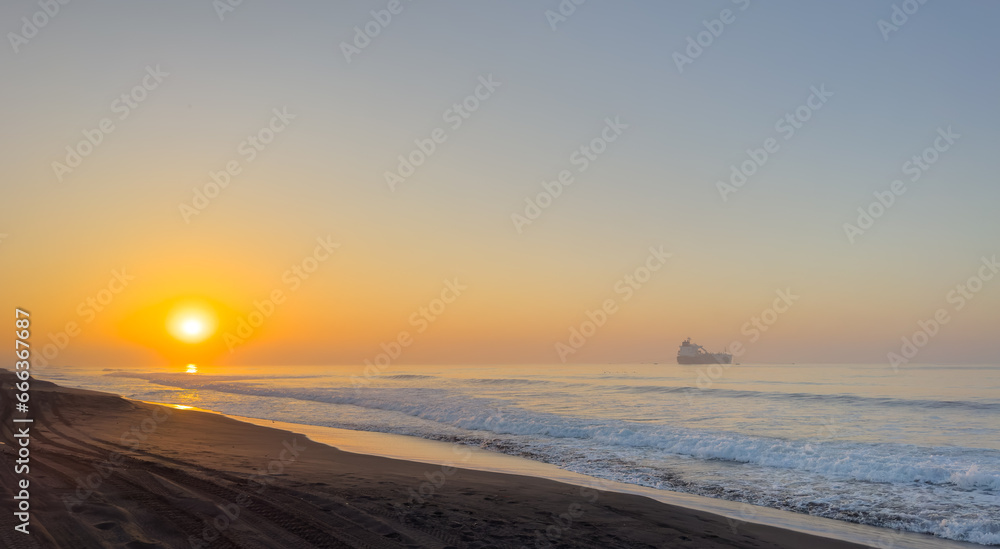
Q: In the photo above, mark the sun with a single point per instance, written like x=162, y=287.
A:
x=193, y=327
x=191, y=322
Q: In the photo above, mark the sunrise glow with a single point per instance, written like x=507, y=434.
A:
x=191, y=323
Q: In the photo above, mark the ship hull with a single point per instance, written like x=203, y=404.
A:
x=705, y=359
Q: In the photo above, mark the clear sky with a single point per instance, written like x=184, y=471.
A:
x=337, y=109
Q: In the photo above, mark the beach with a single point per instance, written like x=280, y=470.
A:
x=110, y=472
x=849, y=445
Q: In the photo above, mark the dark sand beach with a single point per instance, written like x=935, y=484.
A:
x=108, y=472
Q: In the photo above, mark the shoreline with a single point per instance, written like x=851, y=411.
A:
x=436, y=453
x=111, y=472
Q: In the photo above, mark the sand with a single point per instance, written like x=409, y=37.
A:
x=108, y=472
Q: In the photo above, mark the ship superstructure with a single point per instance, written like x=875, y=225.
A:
x=692, y=353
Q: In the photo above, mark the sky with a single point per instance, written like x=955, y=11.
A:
x=506, y=182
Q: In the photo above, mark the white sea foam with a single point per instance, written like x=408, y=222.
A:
x=964, y=467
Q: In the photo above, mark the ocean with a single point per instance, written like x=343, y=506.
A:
x=915, y=449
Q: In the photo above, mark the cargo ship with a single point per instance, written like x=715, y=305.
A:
x=692, y=353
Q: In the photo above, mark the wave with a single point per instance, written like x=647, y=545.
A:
x=514, y=381
x=840, y=398
x=965, y=468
